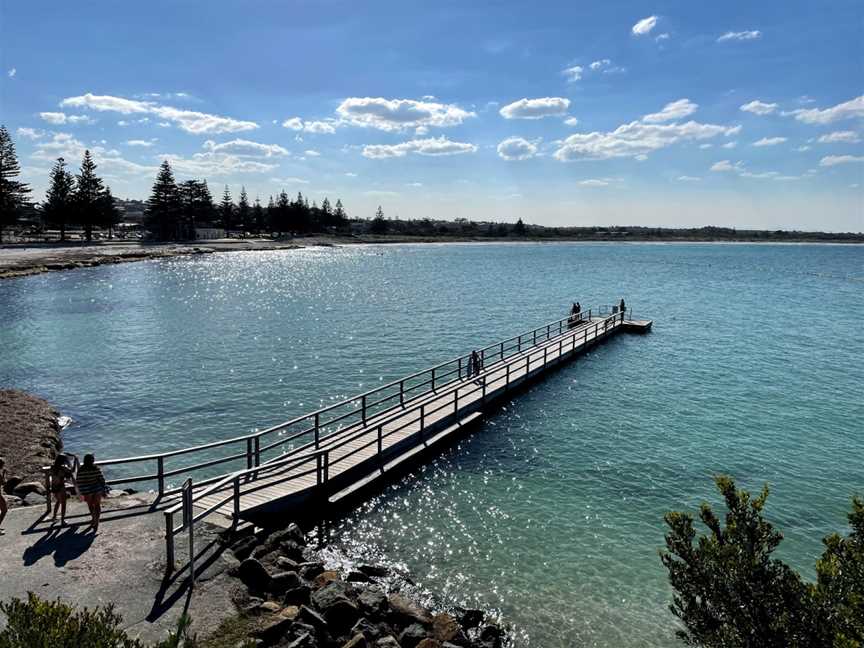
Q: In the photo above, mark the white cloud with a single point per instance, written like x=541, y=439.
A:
x=834, y=160
x=725, y=165
x=289, y=180
x=571, y=121
x=636, y=139
x=59, y=118
x=516, y=148
x=644, y=26
x=706, y=146
x=138, y=142
x=846, y=110
x=430, y=146
x=769, y=141
x=317, y=127
x=210, y=164
x=662, y=37
x=72, y=150
x=573, y=73
x=752, y=34
x=593, y=182
x=729, y=145
x=191, y=121
x=11, y=73
x=245, y=148
x=30, y=133
x=672, y=111
x=803, y=148
x=597, y=65
x=311, y=153
x=759, y=107
x=350, y=174
x=400, y=114
x=686, y=178
x=535, y=108
x=840, y=137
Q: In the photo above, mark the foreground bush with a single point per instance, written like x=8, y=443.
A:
x=36, y=623
x=730, y=593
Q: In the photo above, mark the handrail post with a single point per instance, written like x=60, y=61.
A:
x=318, y=472
x=160, y=474
x=519, y=343
x=507, y=381
x=169, y=541
x=502, y=351
x=326, y=466
x=380, y=439
x=402, y=393
x=317, y=432
x=534, y=332
x=456, y=400
x=189, y=518
x=433, y=379
x=248, y=453
x=257, y=452
x=237, y=500
x=459, y=359
x=363, y=403
x=545, y=361
x=422, y=418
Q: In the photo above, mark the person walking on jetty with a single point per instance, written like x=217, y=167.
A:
x=91, y=487
x=4, y=508
x=475, y=365
x=58, y=476
x=621, y=306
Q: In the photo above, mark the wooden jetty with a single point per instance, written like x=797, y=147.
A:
x=327, y=456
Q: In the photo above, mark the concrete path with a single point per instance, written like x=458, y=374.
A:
x=123, y=564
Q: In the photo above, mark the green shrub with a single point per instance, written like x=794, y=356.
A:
x=730, y=593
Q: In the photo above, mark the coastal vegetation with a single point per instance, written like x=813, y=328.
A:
x=729, y=592
x=175, y=210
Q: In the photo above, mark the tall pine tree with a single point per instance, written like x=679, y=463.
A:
x=13, y=194
x=339, y=213
x=244, y=213
x=258, y=218
x=226, y=211
x=88, y=191
x=60, y=198
x=109, y=215
x=163, y=208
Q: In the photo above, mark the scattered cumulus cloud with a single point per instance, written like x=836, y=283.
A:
x=311, y=153
x=245, y=148
x=636, y=139
x=60, y=118
x=571, y=121
x=536, y=108
x=431, y=147
x=394, y=115
x=644, y=26
x=30, y=133
x=769, y=141
x=214, y=164
x=190, y=121
x=672, y=111
x=725, y=166
x=759, y=107
x=840, y=137
x=573, y=73
x=834, y=160
x=516, y=148
x=593, y=182
x=662, y=37
x=139, y=142
x=854, y=108
x=729, y=145
x=803, y=148
x=316, y=127
x=686, y=178
x=350, y=174
x=72, y=150
x=753, y=34
x=289, y=180
x=11, y=73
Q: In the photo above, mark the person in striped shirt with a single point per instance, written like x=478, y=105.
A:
x=91, y=487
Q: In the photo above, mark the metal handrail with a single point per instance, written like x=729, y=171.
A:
x=360, y=403
x=296, y=457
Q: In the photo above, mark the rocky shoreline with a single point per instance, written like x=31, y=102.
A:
x=289, y=598
x=29, y=439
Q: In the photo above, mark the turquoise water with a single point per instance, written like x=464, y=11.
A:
x=551, y=512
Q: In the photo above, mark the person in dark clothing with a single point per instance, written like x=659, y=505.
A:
x=621, y=306
x=58, y=476
x=4, y=508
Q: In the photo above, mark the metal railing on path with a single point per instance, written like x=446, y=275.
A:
x=511, y=359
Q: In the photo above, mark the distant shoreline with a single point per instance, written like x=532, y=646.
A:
x=26, y=259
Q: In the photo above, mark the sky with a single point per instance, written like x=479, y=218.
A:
x=741, y=114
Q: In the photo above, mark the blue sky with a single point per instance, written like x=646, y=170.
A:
x=668, y=113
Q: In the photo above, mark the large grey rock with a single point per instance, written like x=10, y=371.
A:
x=284, y=581
x=446, y=628
x=412, y=635
x=33, y=499
x=310, y=570
x=297, y=595
x=357, y=641
x=334, y=602
x=407, y=611
x=469, y=618
x=387, y=642
x=311, y=617
x=244, y=546
x=254, y=575
x=378, y=571
x=25, y=488
x=368, y=629
x=373, y=602
x=275, y=626
x=491, y=637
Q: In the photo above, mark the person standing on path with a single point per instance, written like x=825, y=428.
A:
x=59, y=475
x=4, y=508
x=91, y=487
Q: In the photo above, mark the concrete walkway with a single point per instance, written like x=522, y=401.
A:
x=123, y=564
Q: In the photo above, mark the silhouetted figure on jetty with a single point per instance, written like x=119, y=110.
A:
x=3, y=507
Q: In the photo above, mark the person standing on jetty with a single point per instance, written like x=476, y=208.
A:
x=59, y=475
x=622, y=307
x=4, y=508
x=91, y=486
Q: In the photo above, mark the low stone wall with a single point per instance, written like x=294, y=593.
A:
x=293, y=600
x=29, y=440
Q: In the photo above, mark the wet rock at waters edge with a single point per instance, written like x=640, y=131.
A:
x=412, y=635
x=446, y=628
x=254, y=575
x=408, y=611
x=431, y=643
x=310, y=617
x=284, y=581
x=309, y=570
x=291, y=549
x=491, y=637
x=305, y=640
x=286, y=564
x=373, y=601
x=357, y=641
x=357, y=577
x=367, y=628
x=277, y=625
x=334, y=602
x=470, y=618
x=387, y=642
x=376, y=571
x=325, y=577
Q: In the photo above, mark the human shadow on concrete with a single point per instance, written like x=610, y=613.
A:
x=65, y=546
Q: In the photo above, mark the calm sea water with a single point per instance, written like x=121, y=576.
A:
x=552, y=511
